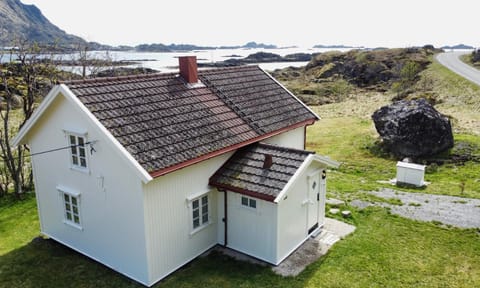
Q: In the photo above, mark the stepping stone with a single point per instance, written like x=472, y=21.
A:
x=334, y=211
x=346, y=214
x=334, y=202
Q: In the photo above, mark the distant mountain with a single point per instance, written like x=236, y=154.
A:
x=458, y=46
x=26, y=22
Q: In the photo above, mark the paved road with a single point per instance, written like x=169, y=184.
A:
x=451, y=61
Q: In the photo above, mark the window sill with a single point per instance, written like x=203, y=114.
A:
x=74, y=225
x=198, y=229
x=80, y=169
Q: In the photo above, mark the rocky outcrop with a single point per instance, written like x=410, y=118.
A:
x=260, y=57
x=373, y=69
x=413, y=129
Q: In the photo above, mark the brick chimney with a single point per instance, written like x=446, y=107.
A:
x=267, y=163
x=188, y=69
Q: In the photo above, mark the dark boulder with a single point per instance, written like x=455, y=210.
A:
x=413, y=128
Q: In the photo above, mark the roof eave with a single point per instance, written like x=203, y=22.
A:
x=140, y=171
x=291, y=94
x=70, y=96
x=173, y=168
x=219, y=186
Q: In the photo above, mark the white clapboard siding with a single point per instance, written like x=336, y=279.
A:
x=292, y=214
x=290, y=139
x=111, y=205
x=168, y=217
x=252, y=231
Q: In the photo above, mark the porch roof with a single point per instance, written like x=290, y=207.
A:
x=259, y=170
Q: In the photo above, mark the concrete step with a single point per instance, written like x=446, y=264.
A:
x=328, y=238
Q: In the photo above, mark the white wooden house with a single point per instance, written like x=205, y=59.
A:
x=160, y=168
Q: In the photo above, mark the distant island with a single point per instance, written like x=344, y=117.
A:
x=458, y=46
x=260, y=57
x=190, y=47
x=337, y=47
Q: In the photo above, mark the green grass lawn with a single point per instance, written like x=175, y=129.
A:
x=385, y=251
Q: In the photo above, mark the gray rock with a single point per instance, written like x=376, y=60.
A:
x=334, y=202
x=334, y=211
x=413, y=128
x=346, y=214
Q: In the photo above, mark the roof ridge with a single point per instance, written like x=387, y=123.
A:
x=146, y=76
x=117, y=78
x=219, y=69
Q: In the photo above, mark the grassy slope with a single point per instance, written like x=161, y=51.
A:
x=460, y=98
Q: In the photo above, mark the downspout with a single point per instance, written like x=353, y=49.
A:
x=305, y=137
x=225, y=217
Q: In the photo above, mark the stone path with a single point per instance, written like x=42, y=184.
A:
x=307, y=253
x=314, y=248
x=450, y=210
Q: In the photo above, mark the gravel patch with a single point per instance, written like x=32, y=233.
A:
x=449, y=210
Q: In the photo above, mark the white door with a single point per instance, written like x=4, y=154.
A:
x=312, y=202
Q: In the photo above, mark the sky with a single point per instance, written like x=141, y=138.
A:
x=304, y=23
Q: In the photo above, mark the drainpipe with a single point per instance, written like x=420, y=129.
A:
x=225, y=217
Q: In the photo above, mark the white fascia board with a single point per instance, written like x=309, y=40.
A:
x=20, y=137
x=290, y=182
x=291, y=94
x=326, y=160
x=141, y=172
x=312, y=157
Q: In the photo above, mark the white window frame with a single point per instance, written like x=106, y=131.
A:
x=78, y=166
x=249, y=200
x=71, y=195
x=202, y=224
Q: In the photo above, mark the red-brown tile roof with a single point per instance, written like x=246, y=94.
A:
x=162, y=122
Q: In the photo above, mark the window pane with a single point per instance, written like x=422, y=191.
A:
x=74, y=150
x=253, y=203
x=75, y=210
x=195, y=204
x=75, y=160
x=81, y=141
x=245, y=201
x=204, y=200
x=73, y=140
x=69, y=216
x=195, y=213
x=81, y=151
x=205, y=218
x=205, y=209
x=66, y=197
x=67, y=207
x=196, y=223
x=74, y=201
x=83, y=162
x=76, y=219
